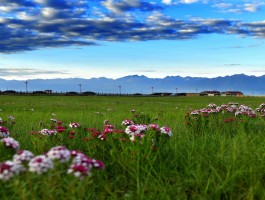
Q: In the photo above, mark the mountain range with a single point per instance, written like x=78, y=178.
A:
x=251, y=85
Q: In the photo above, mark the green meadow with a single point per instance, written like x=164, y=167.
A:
x=212, y=157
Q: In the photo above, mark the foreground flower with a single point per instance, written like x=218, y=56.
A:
x=81, y=165
x=59, y=153
x=3, y=132
x=23, y=156
x=40, y=164
x=8, y=169
x=10, y=143
x=166, y=130
x=48, y=132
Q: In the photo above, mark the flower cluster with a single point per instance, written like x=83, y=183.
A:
x=59, y=153
x=23, y=156
x=48, y=132
x=232, y=108
x=10, y=142
x=40, y=164
x=3, y=132
x=81, y=164
x=8, y=169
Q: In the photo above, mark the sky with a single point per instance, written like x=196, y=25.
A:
x=114, y=38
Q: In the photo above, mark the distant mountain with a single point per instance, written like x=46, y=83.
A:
x=142, y=84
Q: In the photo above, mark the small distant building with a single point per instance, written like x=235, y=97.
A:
x=210, y=93
x=48, y=91
x=233, y=93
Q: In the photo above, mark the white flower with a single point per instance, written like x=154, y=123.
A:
x=10, y=143
x=22, y=156
x=9, y=168
x=48, y=132
x=135, y=129
x=166, y=130
x=59, y=153
x=40, y=164
x=127, y=122
x=74, y=125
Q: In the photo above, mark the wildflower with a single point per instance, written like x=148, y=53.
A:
x=79, y=170
x=8, y=169
x=154, y=127
x=195, y=112
x=72, y=133
x=91, y=163
x=74, y=125
x=59, y=153
x=135, y=129
x=75, y=153
x=53, y=120
x=40, y=164
x=127, y=122
x=10, y=143
x=48, y=132
x=12, y=118
x=3, y=132
x=166, y=130
x=59, y=122
x=60, y=129
x=212, y=105
x=108, y=126
x=22, y=156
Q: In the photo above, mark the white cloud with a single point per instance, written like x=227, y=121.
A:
x=167, y=2
x=189, y=1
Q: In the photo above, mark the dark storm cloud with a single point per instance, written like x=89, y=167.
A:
x=27, y=25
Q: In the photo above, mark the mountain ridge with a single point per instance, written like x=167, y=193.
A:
x=248, y=84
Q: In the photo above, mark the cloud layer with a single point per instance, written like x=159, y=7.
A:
x=34, y=24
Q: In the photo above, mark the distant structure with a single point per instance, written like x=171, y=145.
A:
x=232, y=93
x=210, y=93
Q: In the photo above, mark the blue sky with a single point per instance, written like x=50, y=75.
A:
x=115, y=38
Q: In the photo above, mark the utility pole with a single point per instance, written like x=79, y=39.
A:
x=152, y=89
x=80, y=87
x=120, y=89
x=26, y=82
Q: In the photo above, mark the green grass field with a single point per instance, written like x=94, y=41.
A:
x=206, y=158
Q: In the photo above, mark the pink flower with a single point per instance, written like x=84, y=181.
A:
x=8, y=169
x=166, y=130
x=3, y=132
x=40, y=164
x=59, y=153
x=127, y=122
x=48, y=132
x=74, y=125
x=10, y=143
x=22, y=156
x=154, y=127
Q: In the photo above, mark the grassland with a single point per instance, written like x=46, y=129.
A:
x=202, y=161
